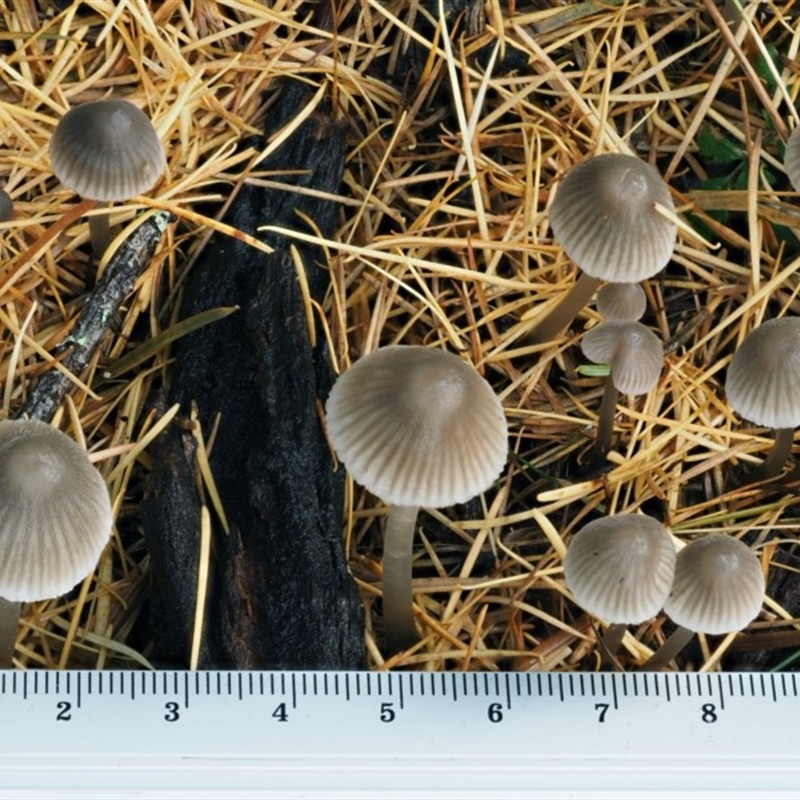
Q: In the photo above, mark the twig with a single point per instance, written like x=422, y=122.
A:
x=117, y=283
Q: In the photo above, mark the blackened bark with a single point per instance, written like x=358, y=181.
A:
x=281, y=596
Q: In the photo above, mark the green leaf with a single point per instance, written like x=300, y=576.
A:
x=762, y=68
x=714, y=147
x=594, y=370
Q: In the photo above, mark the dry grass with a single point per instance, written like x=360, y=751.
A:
x=456, y=144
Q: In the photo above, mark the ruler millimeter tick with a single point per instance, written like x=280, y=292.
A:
x=370, y=734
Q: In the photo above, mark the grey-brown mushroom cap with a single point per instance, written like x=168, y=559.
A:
x=621, y=302
x=417, y=426
x=55, y=513
x=791, y=158
x=719, y=585
x=107, y=150
x=604, y=217
x=635, y=353
x=763, y=380
x=620, y=568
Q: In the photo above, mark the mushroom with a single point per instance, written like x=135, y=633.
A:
x=55, y=518
x=604, y=215
x=718, y=588
x=108, y=151
x=6, y=206
x=621, y=302
x=417, y=427
x=6, y=215
x=791, y=158
x=763, y=386
x=620, y=568
x=636, y=356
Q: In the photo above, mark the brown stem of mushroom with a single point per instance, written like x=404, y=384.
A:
x=398, y=612
x=99, y=233
x=605, y=423
x=9, y=622
x=771, y=466
x=674, y=644
x=561, y=316
x=612, y=641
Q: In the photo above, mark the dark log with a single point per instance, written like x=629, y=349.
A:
x=280, y=594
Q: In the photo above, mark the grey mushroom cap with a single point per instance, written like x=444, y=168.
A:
x=634, y=352
x=107, y=150
x=621, y=302
x=719, y=585
x=417, y=426
x=604, y=217
x=763, y=380
x=791, y=158
x=55, y=513
x=620, y=568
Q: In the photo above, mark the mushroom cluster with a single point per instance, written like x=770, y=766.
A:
x=624, y=569
x=607, y=215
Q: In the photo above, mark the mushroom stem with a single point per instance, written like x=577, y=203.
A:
x=567, y=309
x=611, y=641
x=99, y=233
x=9, y=622
x=771, y=466
x=674, y=644
x=398, y=613
x=605, y=423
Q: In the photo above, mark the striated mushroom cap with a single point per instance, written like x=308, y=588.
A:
x=634, y=352
x=107, y=150
x=605, y=219
x=620, y=568
x=55, y=513
x=417, y=426
x=719, y=585
x=621, y=302
x=763, y=381
x=791, y=159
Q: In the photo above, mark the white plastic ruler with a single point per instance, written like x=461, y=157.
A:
x=412, y=735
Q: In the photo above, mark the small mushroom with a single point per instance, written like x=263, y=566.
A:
x=718, y=588
x=620, y=568
x=417, y=427
x=6, y=206
x=636, y=357
x=604, y=216
x=55, y=518
x=109, y=151
x=791, y=158
x=763, y=386
x=6, y=215
x=621, y=302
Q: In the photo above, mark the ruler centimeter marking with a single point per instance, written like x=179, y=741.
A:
x=293, y=685
x=313, y=733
